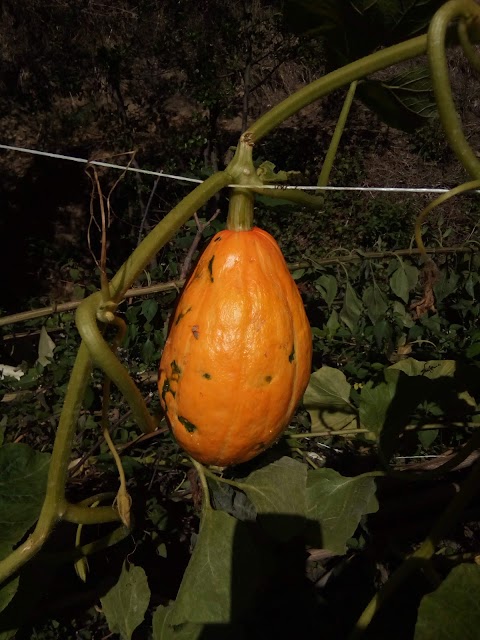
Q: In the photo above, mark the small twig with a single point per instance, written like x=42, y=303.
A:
x=202, y=472
x=123, y=501
x=147, y=208
x=154, y=472
x=22, y=316
x=71, y=306
x=143, y=437
x=105, y=216
x=439, y=461
x=113, y=427
x=92, y=220
x=411, y=427
x=200, y=229
x=78, y=465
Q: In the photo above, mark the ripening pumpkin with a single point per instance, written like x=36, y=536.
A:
x=238, y=356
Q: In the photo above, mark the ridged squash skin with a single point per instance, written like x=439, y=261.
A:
x=238, y=356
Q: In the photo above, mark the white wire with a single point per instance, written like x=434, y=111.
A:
x=58, y=156
x=170, y=176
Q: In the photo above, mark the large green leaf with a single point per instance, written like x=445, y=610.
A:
x=23, y=479
x=440, y=387
x=327, y=400
x=401, y=315
x=225, y=498
x=328, y=387
x=125, y=604
x=374, y=405
x=313, y=17
x=327, y=286
x=163, y=629
x=388, y=407
x=452, y=611
x=149, y=309
x=337, y=504
x=351, y=29
x=400, y=20
x=403, y=280
x=375, y=303
x=352, y=308
x=413, y=89
x=446, y=285
x=278, y=494
x=427, y=438
x=221, y=578
x=403, y=102
x=431, y=369
x=328, y=420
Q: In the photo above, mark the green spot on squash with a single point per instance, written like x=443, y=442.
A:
x=207, y=376
x=260, y=446
x=217, y=239
x=291, y=357
x=165, y=388
x=189, y=426
x=182, y=314
x=268, y=379
x=176, y=371
x=175, y=368
x=210, y=267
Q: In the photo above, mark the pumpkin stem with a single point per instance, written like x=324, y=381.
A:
x=242, y=170
x=240, y=210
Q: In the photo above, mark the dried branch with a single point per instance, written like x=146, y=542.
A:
x=177, y=284
x=200, y=229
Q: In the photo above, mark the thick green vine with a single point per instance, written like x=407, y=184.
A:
x=453, y=10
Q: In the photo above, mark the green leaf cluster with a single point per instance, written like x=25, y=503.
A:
x=367, y=316
x=351, y=29
x=231, y=567
x=23, y=479
x=413, y=393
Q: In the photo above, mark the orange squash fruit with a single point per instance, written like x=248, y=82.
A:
x=238, y=356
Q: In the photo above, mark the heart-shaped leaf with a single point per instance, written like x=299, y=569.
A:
x=452, y=610
x=125, y=604
x=337, y=503
x=23, y=479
